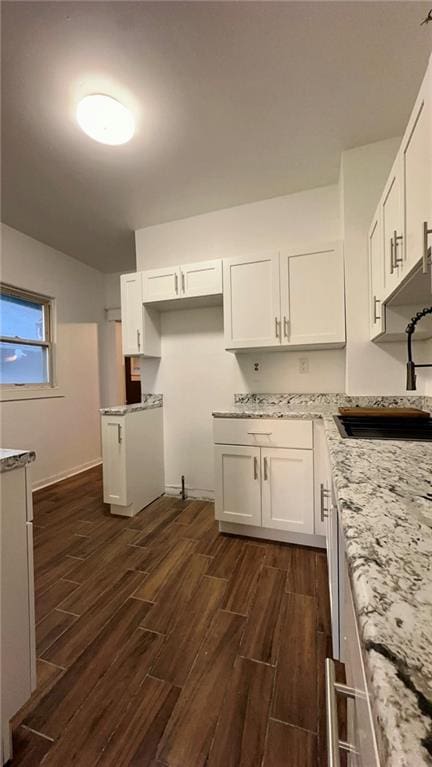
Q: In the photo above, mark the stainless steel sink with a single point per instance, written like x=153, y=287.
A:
x=361, y=427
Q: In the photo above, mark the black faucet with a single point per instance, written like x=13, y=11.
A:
x=411, y=366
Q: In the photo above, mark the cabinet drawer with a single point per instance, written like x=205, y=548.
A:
x=260, y=432
x=362, y=728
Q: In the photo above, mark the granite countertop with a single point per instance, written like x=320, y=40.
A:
x=148, y=402
x=384, y=494
x=14, y=459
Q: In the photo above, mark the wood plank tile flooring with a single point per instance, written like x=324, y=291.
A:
x=162, y=643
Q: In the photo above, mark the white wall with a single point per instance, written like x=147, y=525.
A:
x=63, y=432
x=268, y=224
x=196, y=375
x=370, y=368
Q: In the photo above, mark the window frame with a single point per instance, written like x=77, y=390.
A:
x=47, y=304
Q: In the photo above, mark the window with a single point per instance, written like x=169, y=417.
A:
x=25, y=338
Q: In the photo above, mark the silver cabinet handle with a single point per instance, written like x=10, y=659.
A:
x=376, y=316
x=176, y=282
x=119, y=434
x=397, y=238
x=277, y=327
x=427, y=249
x=286, y=327
x=255, y=467
x=260, y=433
x=183, y=282
x=334, y=744
x=138, y=339
x=324, y=494
x=265, y=462
x=392, y=266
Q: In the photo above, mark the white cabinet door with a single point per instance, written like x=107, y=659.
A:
x=287, y=489
x=132, y=313
x=238, y=487
x=417, y=174
x=161, y=284
x=252, y=302
x=17, y=614
x=322, y=478
x=313, y=296
x=201, y=279
x=114, y=460
x=376, y=279
x=392, y=226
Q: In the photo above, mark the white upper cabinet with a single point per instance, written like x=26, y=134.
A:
x=296, y=299
x=161, y=284
x=417, y=175
x=203, y=278
x=392, y=228
x=376, y=278
x=132, y=313
x=252, y=301
x=312, y=296
x=404, y=218
x=140, y=325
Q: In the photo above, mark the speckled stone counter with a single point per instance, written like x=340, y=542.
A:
x=15, y=459
x=148, y=402
x=384, y=493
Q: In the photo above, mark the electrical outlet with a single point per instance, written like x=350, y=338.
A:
x=303, y=365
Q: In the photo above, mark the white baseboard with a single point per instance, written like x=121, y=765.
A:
x=47, y=481
x=195, y=493
x=269, y=534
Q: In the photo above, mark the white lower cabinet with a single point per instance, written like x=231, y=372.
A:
x=265, y=478
x=238, y=486
x=133, y=463
x=361, y=736
x=18, y=654
x=287, y=489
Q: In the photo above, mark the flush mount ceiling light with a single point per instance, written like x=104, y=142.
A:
x=105, y=120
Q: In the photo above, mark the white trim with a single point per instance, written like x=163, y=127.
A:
x=195, y=493
x=47, y=481
x=265, y=533
x=14, y=393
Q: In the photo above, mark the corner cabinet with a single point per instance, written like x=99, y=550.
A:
x=264, y=299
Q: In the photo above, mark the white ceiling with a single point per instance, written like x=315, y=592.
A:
x=235, y=102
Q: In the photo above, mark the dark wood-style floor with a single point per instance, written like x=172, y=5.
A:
x=162, y=642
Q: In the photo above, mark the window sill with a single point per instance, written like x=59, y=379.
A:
x=14, y=393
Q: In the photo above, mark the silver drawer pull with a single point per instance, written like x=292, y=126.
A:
x=324, y=494
x=334, y=745
x=397, y=238
x=266, y=469
x=255, y=463
x=260, y=433
x=376, y=316
x=119, y=434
